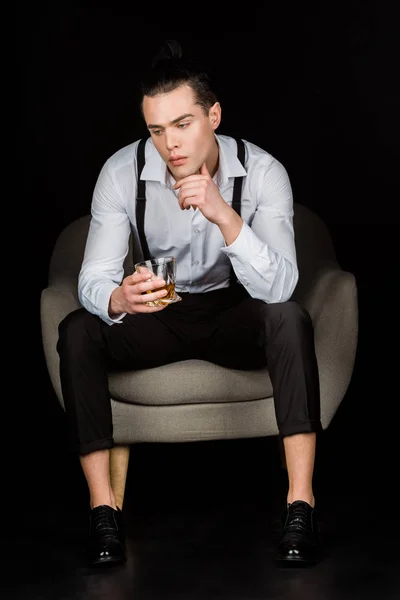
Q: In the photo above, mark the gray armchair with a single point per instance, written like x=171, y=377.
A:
x=195, y=400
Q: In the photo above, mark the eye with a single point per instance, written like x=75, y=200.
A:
x=156, y=131
x=183, y=125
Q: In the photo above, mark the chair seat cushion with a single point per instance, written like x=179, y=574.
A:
x=189, y=382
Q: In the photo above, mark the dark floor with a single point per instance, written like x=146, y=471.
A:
x=203, y=519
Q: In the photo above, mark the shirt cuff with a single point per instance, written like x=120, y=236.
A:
x=104, y=303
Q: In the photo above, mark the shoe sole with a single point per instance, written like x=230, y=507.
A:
x=110, y=560
x=295, y=562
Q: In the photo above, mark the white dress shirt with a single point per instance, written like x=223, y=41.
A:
x=263, y=255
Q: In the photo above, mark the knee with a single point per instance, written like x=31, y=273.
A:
x=289, y=312
x=73, y=328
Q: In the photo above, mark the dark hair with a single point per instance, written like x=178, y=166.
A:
x=169, y=71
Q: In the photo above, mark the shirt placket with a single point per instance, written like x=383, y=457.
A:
x=196, y=239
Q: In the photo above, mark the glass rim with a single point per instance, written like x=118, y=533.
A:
x=156, y=261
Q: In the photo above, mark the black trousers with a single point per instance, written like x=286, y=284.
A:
x=226, y=327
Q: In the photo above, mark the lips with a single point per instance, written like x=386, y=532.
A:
x=177, y=160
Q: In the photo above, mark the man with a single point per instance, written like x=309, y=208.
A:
x=244, y=322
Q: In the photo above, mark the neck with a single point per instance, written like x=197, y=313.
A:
x=212, y=161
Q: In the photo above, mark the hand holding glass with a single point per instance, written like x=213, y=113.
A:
x=161, y=268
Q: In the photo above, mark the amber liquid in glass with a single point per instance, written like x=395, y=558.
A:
x=170, y=287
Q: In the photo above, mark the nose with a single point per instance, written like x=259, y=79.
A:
x=171, y=140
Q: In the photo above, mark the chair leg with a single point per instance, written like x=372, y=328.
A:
x=119, y=461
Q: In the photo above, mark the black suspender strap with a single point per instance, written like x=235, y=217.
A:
x=237, y=194
x=237, y=186
x=141, y=199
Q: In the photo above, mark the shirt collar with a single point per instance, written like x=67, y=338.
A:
x=155, y=168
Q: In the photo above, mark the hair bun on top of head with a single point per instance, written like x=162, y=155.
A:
x=171, y=49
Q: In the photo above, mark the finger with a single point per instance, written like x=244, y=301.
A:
x=204, y=170
x=149, y=297
x=189, y=192
x=188, y=201
x=179, y=183
x=190, y=185
x=191, y=189
x=142, y=275
x=183, y=196
x=152, y=284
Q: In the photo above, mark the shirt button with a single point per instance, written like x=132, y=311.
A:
x=196, y=262
x=196, y=231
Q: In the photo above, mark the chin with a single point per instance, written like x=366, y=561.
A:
x=182, y=172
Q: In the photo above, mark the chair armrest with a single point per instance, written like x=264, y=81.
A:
x=57, y=300
x=333, y=306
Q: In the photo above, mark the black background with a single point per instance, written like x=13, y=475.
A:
x=314, y=85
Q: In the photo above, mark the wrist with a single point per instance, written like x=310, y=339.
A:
x=230, y=225
x=226, y=217
x=114, y=304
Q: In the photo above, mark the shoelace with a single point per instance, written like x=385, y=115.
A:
x=298, y=517
x=103, y=519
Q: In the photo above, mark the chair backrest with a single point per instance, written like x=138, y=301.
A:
x=313, y=245
x=314, y=248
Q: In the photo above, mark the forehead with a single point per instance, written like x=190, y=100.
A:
x=164, y=108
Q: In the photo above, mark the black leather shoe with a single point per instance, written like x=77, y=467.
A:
x=106, y=536
x=299, y=544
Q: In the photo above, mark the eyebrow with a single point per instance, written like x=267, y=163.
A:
x=185, y=116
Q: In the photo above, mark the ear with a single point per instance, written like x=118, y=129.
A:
x=214, y=114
